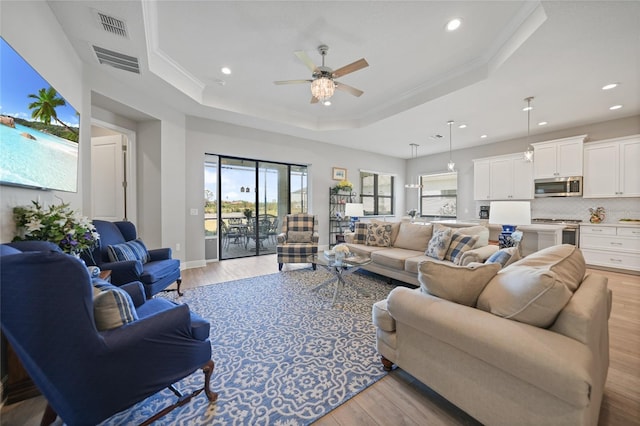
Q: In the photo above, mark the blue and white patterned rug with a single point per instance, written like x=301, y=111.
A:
x=283, y=355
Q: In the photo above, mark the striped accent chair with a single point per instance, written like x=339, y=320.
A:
x=298, y=240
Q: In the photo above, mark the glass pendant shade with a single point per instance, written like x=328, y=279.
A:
x=322, y=88
x=528, y=154
x=451, y=166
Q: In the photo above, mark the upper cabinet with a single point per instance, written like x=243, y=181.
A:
x=505, y=177
x=558, y=158
x=611, y=168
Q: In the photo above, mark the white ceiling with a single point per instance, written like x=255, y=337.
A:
x=419, y=75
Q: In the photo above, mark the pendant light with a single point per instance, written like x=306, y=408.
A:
x=528, y=154
x=414, y=155
x=451, y=166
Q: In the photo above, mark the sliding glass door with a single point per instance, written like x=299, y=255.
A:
x=254, y=198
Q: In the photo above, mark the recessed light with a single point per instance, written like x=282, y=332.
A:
x=542, y=123
x=609, y=86
x=454, y=24
x=483, y=136
x=225, y=70
x=462, y=126
x=527, y=108
x=612, y=108
x=326, y=103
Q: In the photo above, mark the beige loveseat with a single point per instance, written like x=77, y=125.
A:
x=488, y=359
x=400, y=255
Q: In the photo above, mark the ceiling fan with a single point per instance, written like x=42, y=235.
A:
x=323, y=83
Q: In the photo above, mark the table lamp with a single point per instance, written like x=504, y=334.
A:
x=509, y=214
x=353, y=211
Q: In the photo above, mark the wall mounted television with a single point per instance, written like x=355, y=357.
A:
x=39, y=129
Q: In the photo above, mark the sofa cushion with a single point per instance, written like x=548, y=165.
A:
x=378, y=235
x=112, y=306
x=395, y=228
x=299, y=236
x=412, y=264
x=364, y=250
x=459, y=284
x=482, y=232
x=439, y=242
x=566, y=261
x=530, y=295
x=413, y=237
x=505, y=256
x=392, y=257
x=459, y=244
x=131, y=250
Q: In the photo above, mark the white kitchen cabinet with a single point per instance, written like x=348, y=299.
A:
x=505, y=177
x=611, y=246
x=481, y=180
x=558, y=158
x=611, y=168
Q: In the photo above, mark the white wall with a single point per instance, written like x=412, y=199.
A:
x=58, y=63
x=212, y=137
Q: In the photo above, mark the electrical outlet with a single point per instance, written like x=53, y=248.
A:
x=177, y=246
x=194, y=212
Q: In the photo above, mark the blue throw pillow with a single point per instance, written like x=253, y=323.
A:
x=504, y=257
x=131, y=250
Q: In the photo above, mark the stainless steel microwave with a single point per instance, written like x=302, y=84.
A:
x=559, y=187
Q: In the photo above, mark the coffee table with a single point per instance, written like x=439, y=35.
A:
x=339, y=269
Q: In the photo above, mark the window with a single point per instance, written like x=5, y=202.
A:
x=376, y=193
x=438, y=197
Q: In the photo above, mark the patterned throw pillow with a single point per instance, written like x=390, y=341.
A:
x=439, y=242
x=378, y=235
x=360, y=235
x=131, y=250
x=458, y=245
x=505, y=256
x=112, y=306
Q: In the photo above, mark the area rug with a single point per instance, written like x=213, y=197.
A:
x=284, y=355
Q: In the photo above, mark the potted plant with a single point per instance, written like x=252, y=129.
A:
x=343, y=185
x=72, y=232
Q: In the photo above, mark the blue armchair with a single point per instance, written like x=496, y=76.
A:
x=156, y=271
x=49, y=317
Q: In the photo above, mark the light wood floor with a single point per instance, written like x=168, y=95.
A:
x=399, y=399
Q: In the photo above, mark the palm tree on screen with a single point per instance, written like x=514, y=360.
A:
x=44, y=108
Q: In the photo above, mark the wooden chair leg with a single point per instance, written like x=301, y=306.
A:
x=49, y=416
x=211, y=396
x=386, y=364
x=178, y=282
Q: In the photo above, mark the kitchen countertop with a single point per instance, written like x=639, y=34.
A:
x=616, y=224
x=472, y=222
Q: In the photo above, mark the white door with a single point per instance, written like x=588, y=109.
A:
x=107, y=177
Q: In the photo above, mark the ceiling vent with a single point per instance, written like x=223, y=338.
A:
x=112, y=25
x=117, y=60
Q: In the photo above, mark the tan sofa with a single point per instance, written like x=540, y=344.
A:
x=407, y=245
x=487, y=358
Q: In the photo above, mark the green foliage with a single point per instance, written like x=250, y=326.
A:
x=59, y=224
x=51, y=129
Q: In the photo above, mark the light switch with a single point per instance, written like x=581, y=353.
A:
x=194, y=212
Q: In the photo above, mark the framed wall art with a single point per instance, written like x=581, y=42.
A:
x=339, y=173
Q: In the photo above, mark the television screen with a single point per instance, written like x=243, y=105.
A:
x=39, y=129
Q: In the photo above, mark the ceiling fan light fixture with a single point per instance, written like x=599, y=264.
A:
x=323, y=88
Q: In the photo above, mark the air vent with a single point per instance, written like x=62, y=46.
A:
x=117, y=60
x=112, y=25
x=435, y=137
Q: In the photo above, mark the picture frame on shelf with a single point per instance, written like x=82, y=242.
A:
x=339, y=173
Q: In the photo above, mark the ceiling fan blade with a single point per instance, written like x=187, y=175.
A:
x=351, y=90
x=355, y=66
x=314, y=100
x=292, y=81
x=306, y=60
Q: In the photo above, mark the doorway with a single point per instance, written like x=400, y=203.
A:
x=112, y=172
x=255, y=196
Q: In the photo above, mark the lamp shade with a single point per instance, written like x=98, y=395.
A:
x=354, y=209
x=510, y=212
